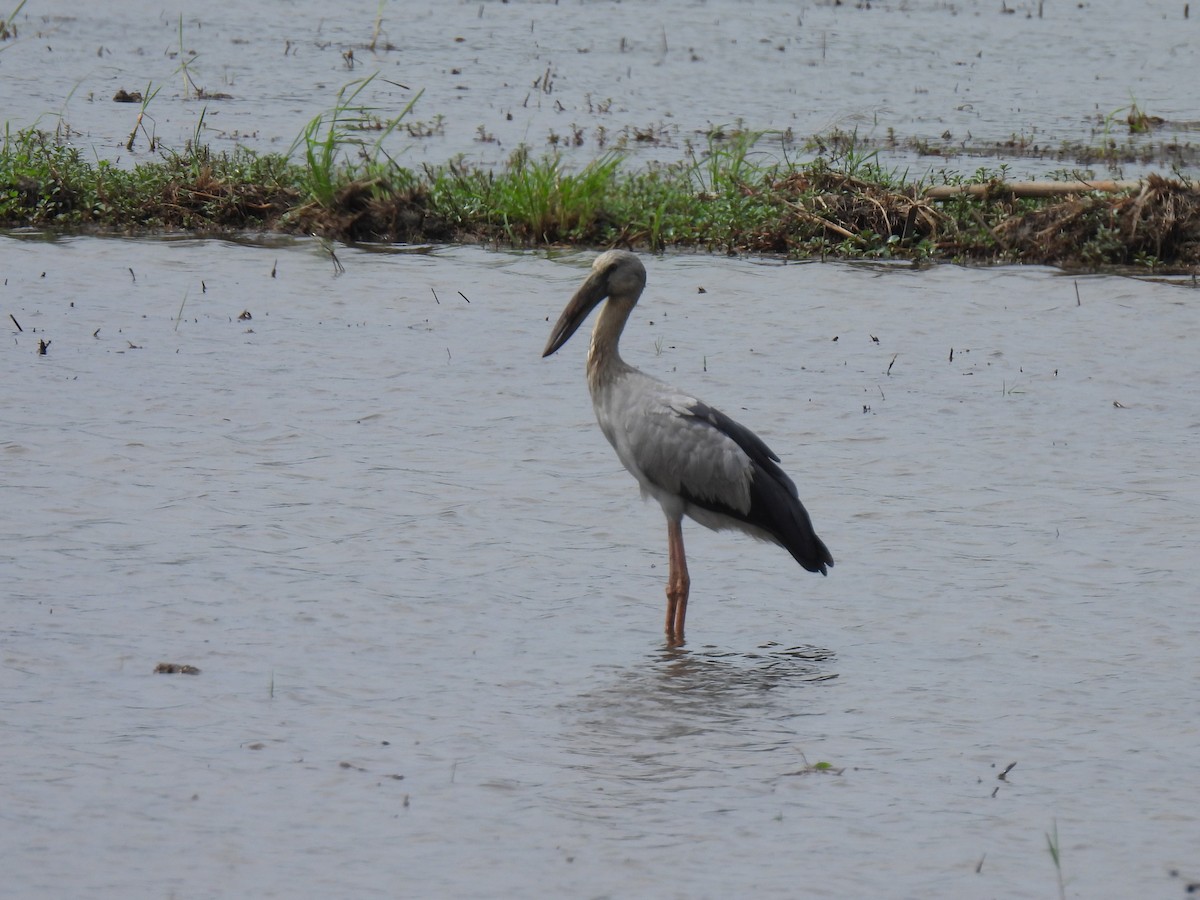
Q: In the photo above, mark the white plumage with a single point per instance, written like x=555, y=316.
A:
x=694, y=460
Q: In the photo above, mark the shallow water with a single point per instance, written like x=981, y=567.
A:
x=427, y=603
x=588, y=76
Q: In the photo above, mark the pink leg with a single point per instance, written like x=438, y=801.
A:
x=678, y=584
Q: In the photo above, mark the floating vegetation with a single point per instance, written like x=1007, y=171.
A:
x=842, y=204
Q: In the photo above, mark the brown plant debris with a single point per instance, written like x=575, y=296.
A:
x=166, y=668
x=829, y=204
x=1161, y=220
x=362, y=211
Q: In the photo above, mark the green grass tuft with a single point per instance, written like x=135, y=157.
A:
x=337, y=180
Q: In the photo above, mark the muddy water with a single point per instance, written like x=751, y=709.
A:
x=426, y=602
x=588, y=76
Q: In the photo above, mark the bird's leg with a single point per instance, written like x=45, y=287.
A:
x=678, y=584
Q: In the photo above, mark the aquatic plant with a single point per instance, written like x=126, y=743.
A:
x=44, y=183
x=8, y=26
x=185, y=60
x=328, y=135
x=731, y=197
x=140, y=122
x=1052, y=844
x=542, y=200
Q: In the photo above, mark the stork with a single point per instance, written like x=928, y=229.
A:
x=693, y=459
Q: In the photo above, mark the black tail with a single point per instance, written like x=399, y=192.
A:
x=775, y=508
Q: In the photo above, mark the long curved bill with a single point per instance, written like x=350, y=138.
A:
x=587, y=298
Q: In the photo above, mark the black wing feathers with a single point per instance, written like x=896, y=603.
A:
x=775, y=506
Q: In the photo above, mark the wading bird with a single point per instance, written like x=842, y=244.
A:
x=694, y=460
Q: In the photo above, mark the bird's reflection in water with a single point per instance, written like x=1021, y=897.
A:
x=687, y=719
x=725, y=670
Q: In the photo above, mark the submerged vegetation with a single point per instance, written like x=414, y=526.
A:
x=842, y=203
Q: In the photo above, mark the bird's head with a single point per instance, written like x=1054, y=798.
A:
x=617, y=274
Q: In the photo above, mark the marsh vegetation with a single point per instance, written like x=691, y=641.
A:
x=728, y=198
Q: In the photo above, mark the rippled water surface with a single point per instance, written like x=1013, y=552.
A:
x=426, y=602
x=1020, y=77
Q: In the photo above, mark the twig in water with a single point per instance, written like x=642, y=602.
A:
x=378, y=27
x=892, y=363
x=1078, y=302
x=435, y=296
x=179, y=315
x=464, y=296
x=15, y=322
x=1052, y=843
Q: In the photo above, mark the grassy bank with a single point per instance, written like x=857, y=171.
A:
x=841, y=204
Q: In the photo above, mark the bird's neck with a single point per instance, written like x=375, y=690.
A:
x=604, y=358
